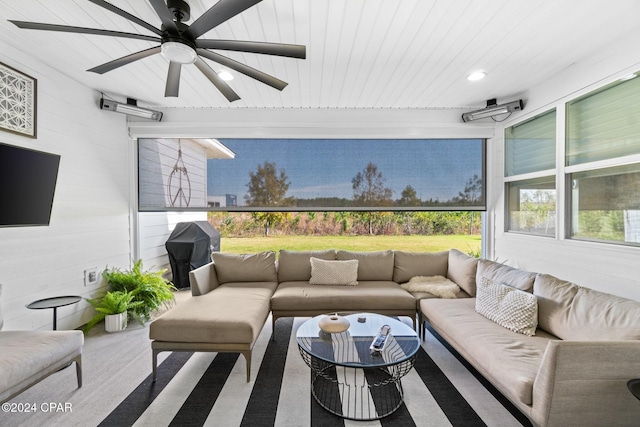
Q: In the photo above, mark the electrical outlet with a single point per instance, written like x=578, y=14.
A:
x=91, y=276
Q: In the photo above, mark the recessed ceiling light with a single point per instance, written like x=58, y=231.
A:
x=629, y=77
x=476, y=75
x=225, y=75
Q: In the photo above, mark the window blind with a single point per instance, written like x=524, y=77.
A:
x=531, y=146
x=605, y=124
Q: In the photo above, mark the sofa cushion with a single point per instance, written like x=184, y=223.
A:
x=575, y=313
x=325, y=272
x=231, y=314
x=295, y=265
x=504, y=274
x=509, y=307
x=28, y=356
x=376, y=265
x=410, y=264
x=367, y=296
x=258, y=267
x=509, y=359
x=462, y=270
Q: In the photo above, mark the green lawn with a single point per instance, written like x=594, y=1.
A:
x=464, y=243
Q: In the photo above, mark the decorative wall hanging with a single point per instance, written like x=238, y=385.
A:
x=179, y=186
x=17, y=102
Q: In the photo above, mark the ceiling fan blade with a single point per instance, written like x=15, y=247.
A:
x=217, y=14
x=112, y=65
x=164, y=14
x=244, y=69
x=222, y=86
x=173, y=79
x=81, y=30
x=127, y=15
x=279, y=49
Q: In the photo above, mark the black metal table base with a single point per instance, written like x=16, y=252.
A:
x=361, y=394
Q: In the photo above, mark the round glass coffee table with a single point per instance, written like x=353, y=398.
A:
x=348, y=378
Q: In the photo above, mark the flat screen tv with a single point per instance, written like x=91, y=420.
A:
x=27, y=185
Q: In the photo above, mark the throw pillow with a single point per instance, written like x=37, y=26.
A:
x=324, y=272
x=509, y=307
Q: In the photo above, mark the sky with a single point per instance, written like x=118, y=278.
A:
x=437, y=169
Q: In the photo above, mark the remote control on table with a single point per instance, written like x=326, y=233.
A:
x=381, y=339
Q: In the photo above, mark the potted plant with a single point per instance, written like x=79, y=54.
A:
x=150, y=290
x=112, y=307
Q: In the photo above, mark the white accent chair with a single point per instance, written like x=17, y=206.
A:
x=28, y=357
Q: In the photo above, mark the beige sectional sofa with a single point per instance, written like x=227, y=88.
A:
x=572, y=370
x=233, y=295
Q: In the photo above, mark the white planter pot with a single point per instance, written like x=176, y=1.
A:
x=115, y=322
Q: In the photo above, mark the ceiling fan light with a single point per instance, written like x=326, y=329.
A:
x=178, y=52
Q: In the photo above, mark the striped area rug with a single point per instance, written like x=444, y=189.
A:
x=196, y=389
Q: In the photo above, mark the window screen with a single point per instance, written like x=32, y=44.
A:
x=311, y=174
x=605, y=204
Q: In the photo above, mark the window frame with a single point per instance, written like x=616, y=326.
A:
x=529, y=176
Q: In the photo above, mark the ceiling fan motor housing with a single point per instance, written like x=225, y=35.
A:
x=179, y=9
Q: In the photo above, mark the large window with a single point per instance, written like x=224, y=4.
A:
x=605, y=204
x=311, y=174
x=530, y=153
x=603, y=164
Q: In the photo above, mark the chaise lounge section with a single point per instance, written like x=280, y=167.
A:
x=229, y=306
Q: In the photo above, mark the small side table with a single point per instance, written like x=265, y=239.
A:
x=54, y=302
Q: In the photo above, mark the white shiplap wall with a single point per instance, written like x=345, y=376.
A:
x=90, y=221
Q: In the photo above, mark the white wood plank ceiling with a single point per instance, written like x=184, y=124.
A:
x=360, y=53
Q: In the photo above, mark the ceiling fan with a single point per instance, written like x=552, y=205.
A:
x=180, y=43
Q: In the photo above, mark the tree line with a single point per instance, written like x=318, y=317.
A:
x=268, y=187
x=247, y=224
